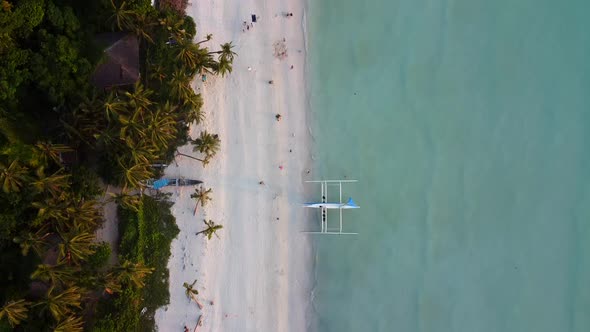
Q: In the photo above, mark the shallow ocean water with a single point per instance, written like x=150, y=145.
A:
x=467, y=123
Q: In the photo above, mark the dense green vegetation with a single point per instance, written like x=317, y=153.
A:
x=59, y=134
x=52, y=268
x=145, y=237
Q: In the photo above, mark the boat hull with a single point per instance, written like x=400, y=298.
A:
x=329, y=206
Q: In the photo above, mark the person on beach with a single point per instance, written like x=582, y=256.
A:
x=278, y=117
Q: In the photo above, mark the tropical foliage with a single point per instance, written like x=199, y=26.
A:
x=145, y=238
x=207, y=144
x=58, y=134
x=15, y=311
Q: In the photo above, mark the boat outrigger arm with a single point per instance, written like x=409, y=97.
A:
x=324, y=206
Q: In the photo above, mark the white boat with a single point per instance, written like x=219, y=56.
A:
x=324, y=206
x=348, y=205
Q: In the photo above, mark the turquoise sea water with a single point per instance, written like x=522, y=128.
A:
x=467, y=123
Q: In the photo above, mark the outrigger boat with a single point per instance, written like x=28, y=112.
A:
x=324, y=206
x=163, y=182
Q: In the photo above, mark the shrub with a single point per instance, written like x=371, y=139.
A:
x=86, y=183
x=123, y=312
x=128, y=233
x=190, y=27
x=100, y=257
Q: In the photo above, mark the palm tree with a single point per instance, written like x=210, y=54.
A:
x=139, y=97
x=196, y=115
x=192, y=293
x=52, y=209
x=180, y=85
x=53, y=151
x=211, y=229
x=131, y=125
x=36, y=241
x=207, y=143
x=113, y=105
x=15, y=311
x=205, y=61
x=13, y=176
x=62, y=304
x=132, y=273
x=223, y=67
x=108, y=281
x=188, y=53
x=207, y=38
x=141, y=25
x=54, y=273
x=90, y=103
x=201, y=195
x=194, y=103
x=189, y=289
x=133, y=175
x=128, y=201
x=85, y=214
x=11, y=129
x=70, y=324
x=157, y=72
x=141, y=151
x=174, y=23
x=54, y=184
x=226, y=52
x=204, y=161
x=86, y=121
x=161, y=128
x=76, y=246
x=108, y=137
x=121, y=17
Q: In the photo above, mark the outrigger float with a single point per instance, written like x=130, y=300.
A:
x=324, y=206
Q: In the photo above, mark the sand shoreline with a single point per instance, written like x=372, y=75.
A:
x=258, y=274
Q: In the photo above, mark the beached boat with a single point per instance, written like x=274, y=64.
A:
x=166, y=182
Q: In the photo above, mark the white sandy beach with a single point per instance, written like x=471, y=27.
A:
x=258, y=273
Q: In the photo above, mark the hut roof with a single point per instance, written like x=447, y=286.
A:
x=121, y=65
